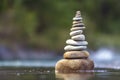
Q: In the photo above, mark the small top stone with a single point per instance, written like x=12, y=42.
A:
x=78, y=14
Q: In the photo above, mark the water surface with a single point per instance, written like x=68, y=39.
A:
x=48, y=73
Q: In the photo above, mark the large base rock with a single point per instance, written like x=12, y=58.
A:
x=75, y=76
x=74, y=65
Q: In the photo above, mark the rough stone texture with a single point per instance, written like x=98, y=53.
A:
x=76, y=54
x=74, y=65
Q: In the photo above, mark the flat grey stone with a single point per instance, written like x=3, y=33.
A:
x=74, y=48
x=78, y=37
x=79, y=43
x=77, y=28
x=73, y=33
x=76, y=22
x=78, y=25
x=77, y=18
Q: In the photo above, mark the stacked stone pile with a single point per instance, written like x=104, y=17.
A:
x=76, y=46
x=76, y=56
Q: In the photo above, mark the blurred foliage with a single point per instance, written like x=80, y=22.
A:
x=46, y=24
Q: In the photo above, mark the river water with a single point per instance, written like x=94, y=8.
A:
x=103, y=58
x=48, y=73
x=107, y=67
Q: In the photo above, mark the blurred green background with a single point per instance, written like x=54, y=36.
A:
x=45, y=24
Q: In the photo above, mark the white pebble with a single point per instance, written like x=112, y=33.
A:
x=79, y=43
x=70, y=48
x=77, y=18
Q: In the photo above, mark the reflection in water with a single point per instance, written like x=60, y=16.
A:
x=75, y=76
x=48, y=73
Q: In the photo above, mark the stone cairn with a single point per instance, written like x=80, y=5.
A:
x=76, y=56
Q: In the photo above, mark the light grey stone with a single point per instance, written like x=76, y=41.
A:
x=77, y=28
x=78, y=37
x=77, y=18
x=73, y=33
x=73, y=48
x=76, y=22
x=78, y=25
x=79, y=43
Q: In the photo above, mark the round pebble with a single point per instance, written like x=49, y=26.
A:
x=79, y=37
x=73, y=48
x=79, y=43
x=73, y=33
x=77, y=28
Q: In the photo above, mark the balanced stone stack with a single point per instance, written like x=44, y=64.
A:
x=76, y=56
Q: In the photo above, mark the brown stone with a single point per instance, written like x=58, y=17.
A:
x=75, y=76
x=76, y=54
x=74, y=65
